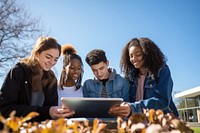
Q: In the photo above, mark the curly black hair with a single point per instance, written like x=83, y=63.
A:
x=154, y=59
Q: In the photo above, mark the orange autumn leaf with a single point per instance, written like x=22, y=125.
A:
x=29, y=116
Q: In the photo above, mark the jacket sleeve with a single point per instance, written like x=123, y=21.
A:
x=85, y=92
x=14, y=96
x=12, y=92
x=162, y=97
x=125, y=89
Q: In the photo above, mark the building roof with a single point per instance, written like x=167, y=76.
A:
x=188, y=93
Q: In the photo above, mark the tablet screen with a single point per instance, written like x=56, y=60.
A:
x=90, y=107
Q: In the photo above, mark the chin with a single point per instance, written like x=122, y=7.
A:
x=47, y=69
x=100, y=78
x=137, y=66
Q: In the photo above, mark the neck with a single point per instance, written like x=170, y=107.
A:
x=143, y=71
x=69, y=83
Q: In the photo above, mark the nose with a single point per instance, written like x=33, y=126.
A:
x=76, y=69
x=98, y=73
x=133, y=58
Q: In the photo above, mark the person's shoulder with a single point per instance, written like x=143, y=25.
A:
x=120, y=76
x=164, y=69
x=18, y=71
x=89, y=80
x=120, y=79
x=19, y=67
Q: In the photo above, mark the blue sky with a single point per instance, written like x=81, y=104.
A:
x=174, y=25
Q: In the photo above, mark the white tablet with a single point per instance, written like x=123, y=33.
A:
x=90, y=107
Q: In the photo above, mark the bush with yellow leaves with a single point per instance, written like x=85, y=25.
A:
x=151, y=121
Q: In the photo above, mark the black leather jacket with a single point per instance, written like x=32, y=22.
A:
x=16, y=92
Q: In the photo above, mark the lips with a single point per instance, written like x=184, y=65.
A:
x=47, y=66
x=136, y=64
x=75, y=75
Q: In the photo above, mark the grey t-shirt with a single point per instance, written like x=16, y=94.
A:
x=37, y=98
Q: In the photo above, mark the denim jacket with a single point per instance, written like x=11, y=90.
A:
x=116, y=87
x=157, y=93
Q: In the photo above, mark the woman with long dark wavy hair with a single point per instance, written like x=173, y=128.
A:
x=144, y=65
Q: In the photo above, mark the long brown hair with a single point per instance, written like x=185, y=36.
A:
x=41, y=78
x=154, y=59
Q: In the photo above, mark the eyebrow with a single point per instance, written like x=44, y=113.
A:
x=138, y=51
x=52, y=56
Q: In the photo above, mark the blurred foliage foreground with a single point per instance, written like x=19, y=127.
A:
x=151, y=121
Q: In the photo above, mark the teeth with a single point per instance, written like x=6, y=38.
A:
x=75, y=76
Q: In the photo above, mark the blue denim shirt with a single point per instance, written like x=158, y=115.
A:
x=157, y=93
x=116, y=87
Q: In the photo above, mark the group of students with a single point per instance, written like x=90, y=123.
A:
x=31, y=86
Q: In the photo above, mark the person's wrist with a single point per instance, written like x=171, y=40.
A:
x=130, y=113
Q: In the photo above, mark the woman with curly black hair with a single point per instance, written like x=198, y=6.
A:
x=144, y=65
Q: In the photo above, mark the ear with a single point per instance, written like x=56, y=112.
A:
x=107, y=62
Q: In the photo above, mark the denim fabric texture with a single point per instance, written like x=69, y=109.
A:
x=157, y=93
x=116, y=87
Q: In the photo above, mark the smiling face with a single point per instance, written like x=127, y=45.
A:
x=48, y=58
x=136, y=56
x=100, y=70
x=74, y=69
